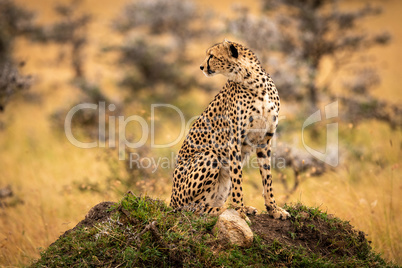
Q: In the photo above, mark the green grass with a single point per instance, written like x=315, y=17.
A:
x=185, y=239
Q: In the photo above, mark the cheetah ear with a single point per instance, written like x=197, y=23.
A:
x=232, y=49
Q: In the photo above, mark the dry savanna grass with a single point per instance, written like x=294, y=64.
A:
x=53, y=180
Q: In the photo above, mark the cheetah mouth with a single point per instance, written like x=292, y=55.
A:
x=209, y=73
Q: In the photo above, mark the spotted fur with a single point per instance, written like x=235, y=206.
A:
x=241, y=119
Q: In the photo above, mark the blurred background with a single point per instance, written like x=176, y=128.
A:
x=55, y=55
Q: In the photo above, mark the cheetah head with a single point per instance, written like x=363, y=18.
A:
x=223, y=58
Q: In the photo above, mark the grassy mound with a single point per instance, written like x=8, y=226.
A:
x=141, y=231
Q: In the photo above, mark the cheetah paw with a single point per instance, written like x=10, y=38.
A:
x=279, y=213
x=249, y=210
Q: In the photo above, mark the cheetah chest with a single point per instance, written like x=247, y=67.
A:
x=261, y=121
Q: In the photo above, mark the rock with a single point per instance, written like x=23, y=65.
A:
x=232, y=228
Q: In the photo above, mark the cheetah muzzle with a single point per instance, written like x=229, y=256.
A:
x=240, y=120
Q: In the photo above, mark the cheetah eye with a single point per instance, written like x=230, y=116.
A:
x=215, y=58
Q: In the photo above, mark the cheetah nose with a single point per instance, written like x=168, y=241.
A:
x=202, y=67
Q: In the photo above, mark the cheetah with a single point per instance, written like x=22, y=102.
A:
x=241, y=119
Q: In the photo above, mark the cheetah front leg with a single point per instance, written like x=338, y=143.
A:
x=235, y=172
x=264, y=162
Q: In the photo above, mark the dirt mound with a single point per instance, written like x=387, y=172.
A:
x=324, y=236
x=141, y=231
x=316, y=233
x=99, y=213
